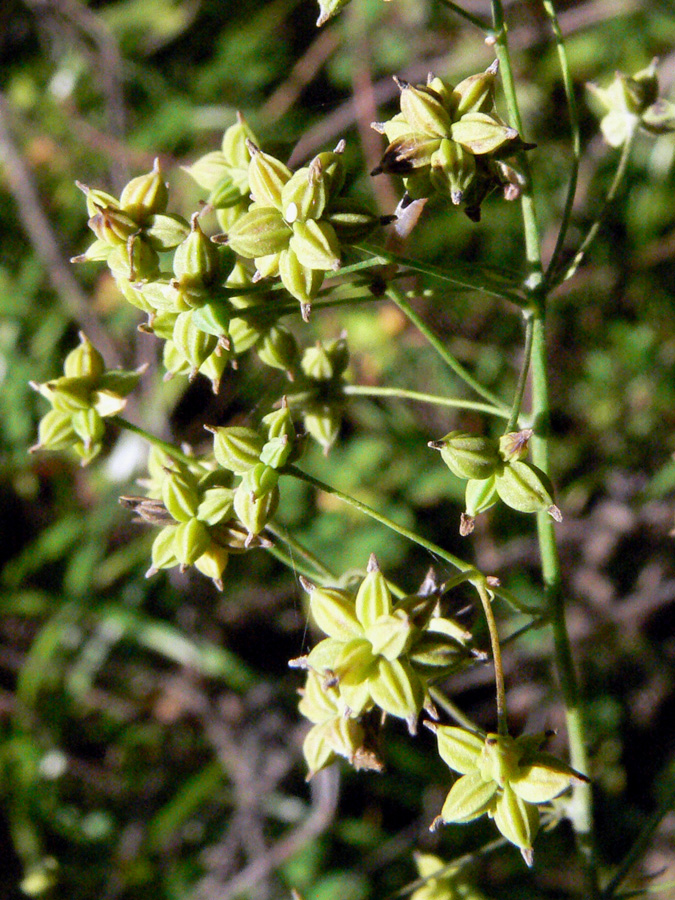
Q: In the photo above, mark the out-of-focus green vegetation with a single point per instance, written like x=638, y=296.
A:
x=149, y=741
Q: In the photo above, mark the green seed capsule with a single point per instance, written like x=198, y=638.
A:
x=476, y=93
x=180, y=494
x=453, y=170
x=482, y=133
x=260, y=232
x=301, y=281
x=305, y=195
x=146, y=195
x=526, y=488
x=55, y=431
x=195, y=345
x=279, y=349
x=237, y=448
x=468, y=455
x=316, y=245
x=84, y=360
x=234, y=145
x=191, y=539
x=423, y=110
x=255, y=513
x=266, y=177
x=196, y=263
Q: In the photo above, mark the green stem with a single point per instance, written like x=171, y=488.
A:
x=359, y=390
x=484, y=27
x=502, y=724
x=574, y=130
x=580, y=809
x=490, y=280
x=452, y=709
x=168, y=448
x=402, y=302
x=378, y=517
x=298, y=551
x=522, y=379
x=568, y=271
x=641, y=844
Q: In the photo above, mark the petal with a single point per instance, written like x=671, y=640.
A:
x=468, y=799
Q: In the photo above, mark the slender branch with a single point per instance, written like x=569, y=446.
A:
x=402, y=302
x=298, y=550
x=360, y=390
x=490, y=280
x=641, y=843
x=524, y=372
x=574, y=133
x=502, y=724
x=479, y=23
x=434, y=549
x=568, y=271
x=452, y=709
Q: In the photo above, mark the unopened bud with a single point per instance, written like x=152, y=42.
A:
x=468, y=455
x=146, y=195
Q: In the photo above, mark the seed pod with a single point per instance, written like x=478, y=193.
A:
x=113, y=226
x=480, y=495
x=351, y=221
x=179, y=494
x=163, y=556
x=280, y=424
x=526, y=488
x=276, y=452
x=397, y=690
x=237, y=448
x=266, y=177
x=476, y=93
x=468, y=455
x=195, y=263
x=88, y=425
x=332, y=166
x=481, y=133
x=453, y=170
x=305, y=195
x=213, y=563
x=191, y=539
x=278, y=349
x=163, y=232
x=259, y=480
x=215, y=505
x=328, y=9
x=234, y=144
x=317, y=364
x=469, y=798
x=97, y=200
x=135, y=260
x=333, y=612
x=146, y=195
x=209, y=170
x=260, y=232
x=84, y=360
x=55, y=431
x=195, y=345
x=302, y=281
x=407, y=153
x=323, y=422
x=69, y=394
x=423, y=110
x=254, y=514
x=373, y=598
x=316, y=245
x=517, y=821
x=515, y=445
x=458, y=748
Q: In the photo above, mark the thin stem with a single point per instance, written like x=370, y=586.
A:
x=484, y=27
x=402, y=302
x=378, y=517
x=580, y=809
x=298, y=550
x=360, y=390
x=502, y=724
x=641, y=843
x=522, y=379
x=574, y=133
x=513, y=601
x=568, y=271
x=452, y=709
x=490, y=280
x=168, y=448
x=531, y=228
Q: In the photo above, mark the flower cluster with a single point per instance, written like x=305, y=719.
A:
x=81, y=398
x=204, y=516
x=451, y=141
x=377, y=655
x=496, y=470
x=507, y=778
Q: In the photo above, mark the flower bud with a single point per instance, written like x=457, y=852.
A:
x=390, y=635
x=323, y=422
x=276, y=452
x=113, y=226
x=146, y=195
x=331, y=164
x=266, y=177
x=423, y=110
x=213, y=563
x=259, y=480
x=260, y=232
x=234, y=144
x=163, y=555
x=397, y=690
x=526, y=488
x=468, y=455
x=237, y=448
x=84, y=360
x=191, y=539
x=333, y=612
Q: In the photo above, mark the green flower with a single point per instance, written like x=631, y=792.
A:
x=506, y=778
x=451, y=141
x=633, y=101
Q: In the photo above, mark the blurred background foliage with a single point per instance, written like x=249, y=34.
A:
x=149, y=742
